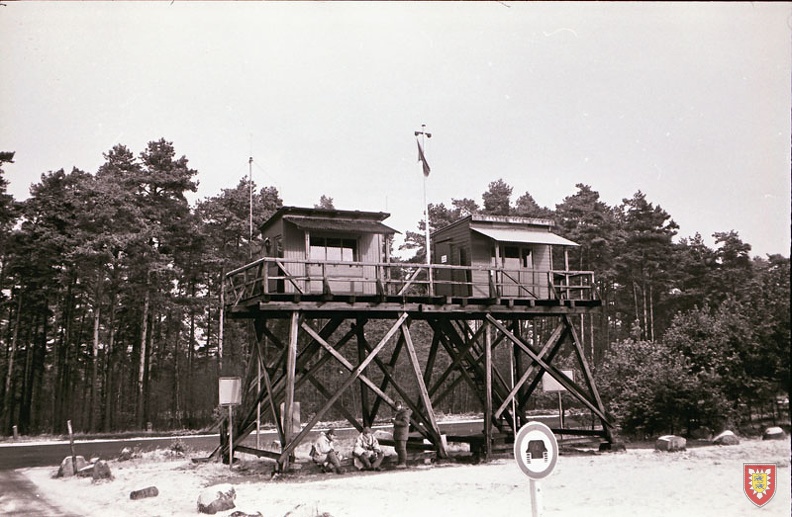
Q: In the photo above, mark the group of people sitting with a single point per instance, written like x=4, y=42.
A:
x=367, y=453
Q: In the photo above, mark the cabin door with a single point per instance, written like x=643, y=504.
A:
x=517, y=272
x=443, y=277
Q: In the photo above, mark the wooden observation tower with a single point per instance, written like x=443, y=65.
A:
x=498, y=313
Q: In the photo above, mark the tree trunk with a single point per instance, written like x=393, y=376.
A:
x=141, y=377
x=635, y=299
x=10, y=370
x=651, y=313
x=107, y=410
x=94, y=367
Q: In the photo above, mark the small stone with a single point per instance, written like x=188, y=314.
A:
x=67, y=469
x=774, y=433
x=126, y=454
x=101, y=470
x=671, y=443
x=726, y=438
x=150, y=491
x=216, y=499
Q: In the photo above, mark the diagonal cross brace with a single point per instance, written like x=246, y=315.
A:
x=350, y=379
x=552, y=370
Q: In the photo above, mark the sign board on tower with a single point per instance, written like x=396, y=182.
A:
x=230, y=391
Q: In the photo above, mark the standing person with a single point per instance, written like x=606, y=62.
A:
x=401, y=428
x=323, y=452
x=367, y=450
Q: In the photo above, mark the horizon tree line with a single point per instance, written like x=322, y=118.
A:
x=110, y=311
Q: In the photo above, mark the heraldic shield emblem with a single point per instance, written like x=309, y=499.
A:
x=759, y=482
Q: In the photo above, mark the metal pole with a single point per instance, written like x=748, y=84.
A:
x=424, y=135
x=536, y=498
x=250, y=207
x=230, y=436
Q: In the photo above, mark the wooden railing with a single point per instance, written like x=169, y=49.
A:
x=271, y=276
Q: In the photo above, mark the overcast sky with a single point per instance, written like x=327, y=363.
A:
x=687, y=102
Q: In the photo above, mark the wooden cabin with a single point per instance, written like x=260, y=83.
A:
x=505, y=256
x=325, y=251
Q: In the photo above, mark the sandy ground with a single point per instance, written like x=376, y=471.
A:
x=702, y=482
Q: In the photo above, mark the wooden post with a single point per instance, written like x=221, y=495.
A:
x=230, y=436
x=291, y=365
x=71, y=446
x=488, y=391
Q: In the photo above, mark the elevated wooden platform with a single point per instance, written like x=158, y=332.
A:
x=326, y=311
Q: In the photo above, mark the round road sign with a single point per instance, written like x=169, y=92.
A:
x=536, y=450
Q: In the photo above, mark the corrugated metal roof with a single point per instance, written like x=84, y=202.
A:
x=523, y=235
x=338, y=224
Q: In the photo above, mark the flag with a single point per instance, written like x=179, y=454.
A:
x=422, y=158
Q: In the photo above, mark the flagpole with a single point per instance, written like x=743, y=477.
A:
x=425, y=168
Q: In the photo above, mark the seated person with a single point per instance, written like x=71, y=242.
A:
x=367, y=451
x=323, y=452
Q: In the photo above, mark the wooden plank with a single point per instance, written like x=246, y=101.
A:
x=257, y=452
x=528, y=372
x=552, y=370
x=423, y=393
x=353, y=376
x=291, y=365
x=589, y=378
x=488, y=391
x=365, y=405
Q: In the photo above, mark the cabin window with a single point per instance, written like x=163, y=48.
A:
x=516, y=256
x=511, y=252
x=333, y=249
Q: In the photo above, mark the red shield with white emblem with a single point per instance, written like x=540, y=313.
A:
x=759, y=482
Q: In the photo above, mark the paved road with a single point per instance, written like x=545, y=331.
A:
x=18, y=496
x=23, y=455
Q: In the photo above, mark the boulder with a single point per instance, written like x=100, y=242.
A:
x=126, y=454
x=774, y=433
x=670, y=443
x=67, y=469
x=101, y=470
x=726, y=438
x=216, y=498
x=149, y=491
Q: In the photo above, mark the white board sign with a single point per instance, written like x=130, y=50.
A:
x=550, y=384
x=230, y=391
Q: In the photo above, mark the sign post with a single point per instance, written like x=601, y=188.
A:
x=550, y=384
x=536, y=453
x=230, y=390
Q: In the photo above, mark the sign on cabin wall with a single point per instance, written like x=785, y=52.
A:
x=550, y=384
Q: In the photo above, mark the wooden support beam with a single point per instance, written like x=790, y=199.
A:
x=353, y=376
x=552, y=370
x=529, y=372
x=387, y=370
x=260, y=356
x=349, y=366
x=457, y=354
x=291, y=366
x=488, y=392
x=538, y=377
x=587, y=375
x=423, y=393
x=365, y=405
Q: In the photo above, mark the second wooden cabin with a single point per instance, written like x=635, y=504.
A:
x=503, y=256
